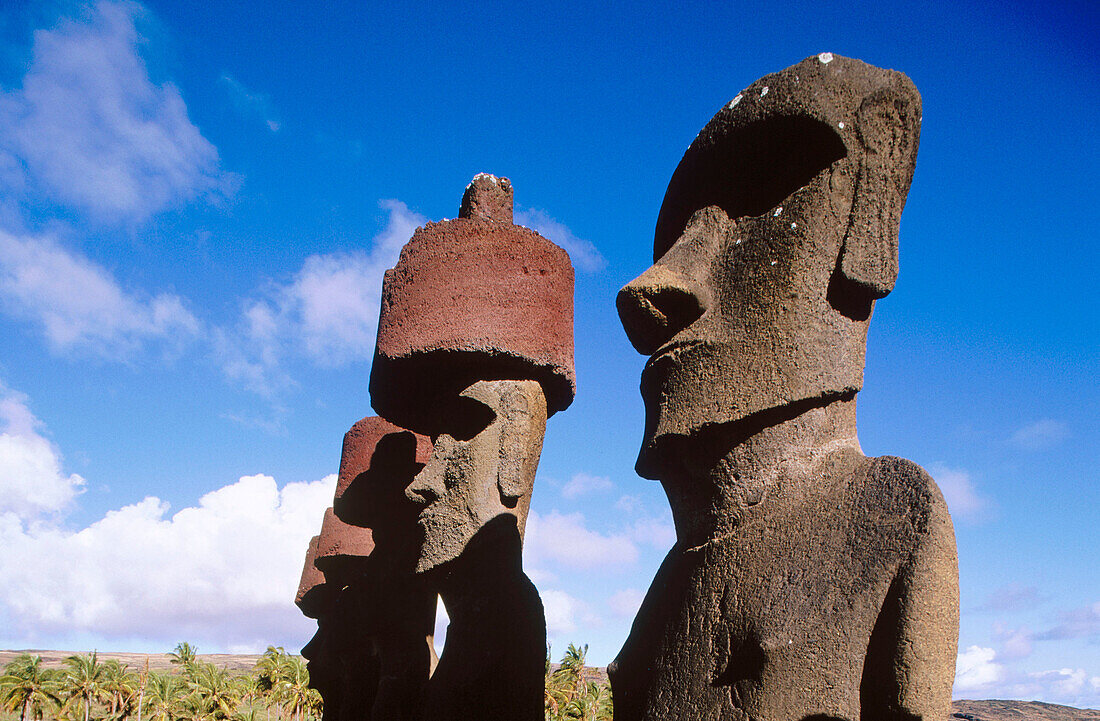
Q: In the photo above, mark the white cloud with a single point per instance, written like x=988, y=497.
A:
x=564, y=539
x=963, y=500
x=1063, y=681
x=1081, y=622
x=629, y=504
x=625, y=603
x=975, y=668
x=655, y=532
x=1016, y=643
x=222, y=573
x=252, y=103
x=31, y=479
x=565, y=614
x=94, y=132
x=80, y=305
x=1012, y=597
x=582, y=252
x=328, y=312
x=582, y=484
x=1040, y=435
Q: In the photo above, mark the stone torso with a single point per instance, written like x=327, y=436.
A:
x=774, y=619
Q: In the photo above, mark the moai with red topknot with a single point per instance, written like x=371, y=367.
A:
x=395, y=608
x=475, y=349
x=807, y=580
x=372, y=653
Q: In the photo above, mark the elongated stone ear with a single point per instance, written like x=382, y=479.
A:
x=888, y=124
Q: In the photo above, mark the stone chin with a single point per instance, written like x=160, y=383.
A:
x=699, y=394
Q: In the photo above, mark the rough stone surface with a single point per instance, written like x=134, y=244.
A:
x=807, y=581
x=341, y=548
x=472, y=299
x=475, y=492
x=373, y=646
x=376, y=453
x=311, y=598
x=487, y=197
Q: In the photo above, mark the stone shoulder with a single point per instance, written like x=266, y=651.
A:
x=899, y=487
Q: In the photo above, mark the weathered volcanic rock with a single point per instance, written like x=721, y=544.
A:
x=474, y=298
x=376, y=453
x=312, y=597
x=341, y=548
x=808, y=581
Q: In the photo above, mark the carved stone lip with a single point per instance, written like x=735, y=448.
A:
x=673, y=347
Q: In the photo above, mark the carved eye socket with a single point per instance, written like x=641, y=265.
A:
x=746, y=171
x=465, y=418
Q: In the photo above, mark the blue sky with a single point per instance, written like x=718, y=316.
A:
x=197, y=201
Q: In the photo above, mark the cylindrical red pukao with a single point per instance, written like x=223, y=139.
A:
x=474, y=298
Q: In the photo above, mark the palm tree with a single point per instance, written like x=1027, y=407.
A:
x=184, y=656
x=296, y=690
x=28, y=687
x=270, y=671
x=214, y=695
x=166, y=693
x=83, y=683
x=118, y=688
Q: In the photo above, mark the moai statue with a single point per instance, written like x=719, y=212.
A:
x=475, y=349
x=314, y=599
x=807, y=580
x=394, y=608
x=343, y=645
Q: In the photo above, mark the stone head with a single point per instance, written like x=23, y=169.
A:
x=482, y=466
x=778, y=231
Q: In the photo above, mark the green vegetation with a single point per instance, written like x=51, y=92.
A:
x=571, y=693
x=276, y=689
x=89, y=690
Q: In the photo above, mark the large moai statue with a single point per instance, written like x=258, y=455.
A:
x=475, y=349
x=807, y=580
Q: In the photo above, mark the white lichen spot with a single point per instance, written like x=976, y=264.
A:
x=777, y=212
x=840, y=125
x=733, y=103
x=774, y=262
x=794, y=225
x=825, y=58
x=763, y=91
x=737, y=242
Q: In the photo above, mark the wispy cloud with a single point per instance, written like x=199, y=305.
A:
x=565, y=614
x=582, y=252
x=1040, y=435
x=976, y=668
x=80, y=306
x=565, y=539
x=94, y=133
x=327, y=312
x=626, y=602
x=963, y=499
x=582, y=484
x=1083, y=622
x=32, y=482
x=1012, y=597
x=250, y=103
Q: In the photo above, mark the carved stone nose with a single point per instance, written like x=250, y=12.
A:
x=657, y=305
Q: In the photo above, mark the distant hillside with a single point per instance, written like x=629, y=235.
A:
x=963, y=710
x=136, y=661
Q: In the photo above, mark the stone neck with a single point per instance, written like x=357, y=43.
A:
x=740, y=475
x=476, y=582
